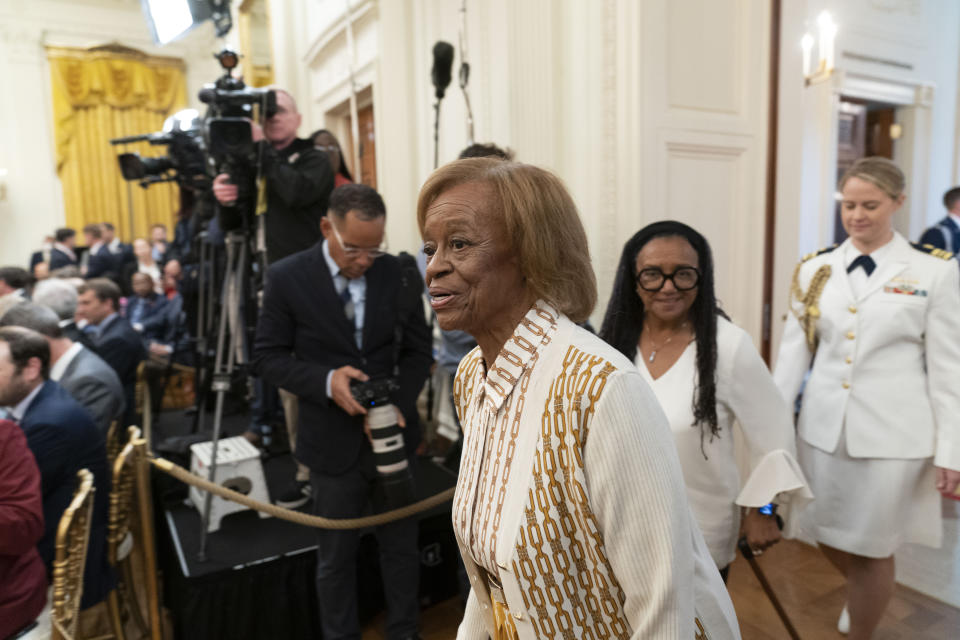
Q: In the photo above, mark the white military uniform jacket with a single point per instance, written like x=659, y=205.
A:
x=887, y=365
x=571, y=491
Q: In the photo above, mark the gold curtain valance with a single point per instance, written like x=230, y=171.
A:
x=103, y=93
x=118, y=77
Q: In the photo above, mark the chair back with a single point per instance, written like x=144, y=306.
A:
x=73, y=535
x=121, y=500
x=114, y=442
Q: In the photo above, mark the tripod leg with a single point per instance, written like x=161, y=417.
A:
x=222, y=375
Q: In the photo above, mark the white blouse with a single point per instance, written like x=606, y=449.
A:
x=746, y=395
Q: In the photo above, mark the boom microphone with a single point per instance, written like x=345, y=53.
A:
x=442, y=67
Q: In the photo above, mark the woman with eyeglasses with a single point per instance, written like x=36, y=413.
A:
x=327, y=142
x=663, y=315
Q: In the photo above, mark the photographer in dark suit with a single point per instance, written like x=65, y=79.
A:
x=330, y=316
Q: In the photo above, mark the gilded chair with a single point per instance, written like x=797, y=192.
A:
x=130, y=506
x=114, y=442
x=144, y=402
x=120, y=535
x=73, y=535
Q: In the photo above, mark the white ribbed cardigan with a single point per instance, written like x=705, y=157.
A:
x=595, y=537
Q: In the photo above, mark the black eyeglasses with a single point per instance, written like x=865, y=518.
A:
x=653, y=279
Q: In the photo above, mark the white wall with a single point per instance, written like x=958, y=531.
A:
x=647, y=110
x=34, y=205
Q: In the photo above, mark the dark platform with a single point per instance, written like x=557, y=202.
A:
x=258, y=579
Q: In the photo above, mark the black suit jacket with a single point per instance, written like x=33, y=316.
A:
x=943, y=235
x=59, y=259
x=121, y=347
x=71, y=331
x=303, y=334
x=64, y=439
x=102, y=264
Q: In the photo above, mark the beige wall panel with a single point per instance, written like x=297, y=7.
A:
x=704, y=55
x=706, y=109
x=707, y=184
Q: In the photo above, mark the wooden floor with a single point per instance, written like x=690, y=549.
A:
x=808, y=587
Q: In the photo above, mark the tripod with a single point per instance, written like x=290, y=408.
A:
x=230, y=352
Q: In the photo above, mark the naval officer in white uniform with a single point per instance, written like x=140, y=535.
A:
x=879, y=427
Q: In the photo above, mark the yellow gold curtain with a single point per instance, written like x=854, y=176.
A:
x=105, y=93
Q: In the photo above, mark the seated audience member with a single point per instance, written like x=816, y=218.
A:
x=42, y=254
x=14, y=282
x=62, y=254
x=172, y=274
x=79, y=370
x=144, y=263
x=63, y=440
x=61, y=297
x=110, y=335
x=98, y=262
x=23, y=579
x=146, y=310
x=174, y=336
x=165, y=335
x=946, y=233
x=158, y=242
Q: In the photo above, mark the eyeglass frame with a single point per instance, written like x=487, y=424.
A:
x=665, y=276
x=356, y=252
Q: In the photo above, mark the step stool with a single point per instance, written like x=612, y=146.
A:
x=238, y=468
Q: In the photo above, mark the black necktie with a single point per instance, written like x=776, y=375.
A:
x=347, y=301
x=863, y=261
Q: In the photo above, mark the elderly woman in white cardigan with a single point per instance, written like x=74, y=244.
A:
x=570, y=508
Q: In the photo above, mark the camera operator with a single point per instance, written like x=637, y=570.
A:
x=331, y=316
x=298, y=182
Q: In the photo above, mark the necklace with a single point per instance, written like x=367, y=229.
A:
x=656, y=348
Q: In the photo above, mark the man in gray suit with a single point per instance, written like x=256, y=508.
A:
x=91, y=381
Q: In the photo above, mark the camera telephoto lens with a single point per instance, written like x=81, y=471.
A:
x=390, y=456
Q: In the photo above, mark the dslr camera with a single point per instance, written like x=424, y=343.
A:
x=389, y=450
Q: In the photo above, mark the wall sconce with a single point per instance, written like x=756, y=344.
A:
x=3, y=184
x=826, y=50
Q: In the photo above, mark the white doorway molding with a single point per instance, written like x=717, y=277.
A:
x=821, y=108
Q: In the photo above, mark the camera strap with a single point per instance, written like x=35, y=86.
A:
x=408, y=279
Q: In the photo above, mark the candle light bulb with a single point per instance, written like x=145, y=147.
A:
x=806, y=43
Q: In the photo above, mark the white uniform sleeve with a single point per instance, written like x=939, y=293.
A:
x=767, y=425
x=942, y=349
x=636, y=492
x=793, y=360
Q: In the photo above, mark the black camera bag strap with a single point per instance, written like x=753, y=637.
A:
x=407, y=295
